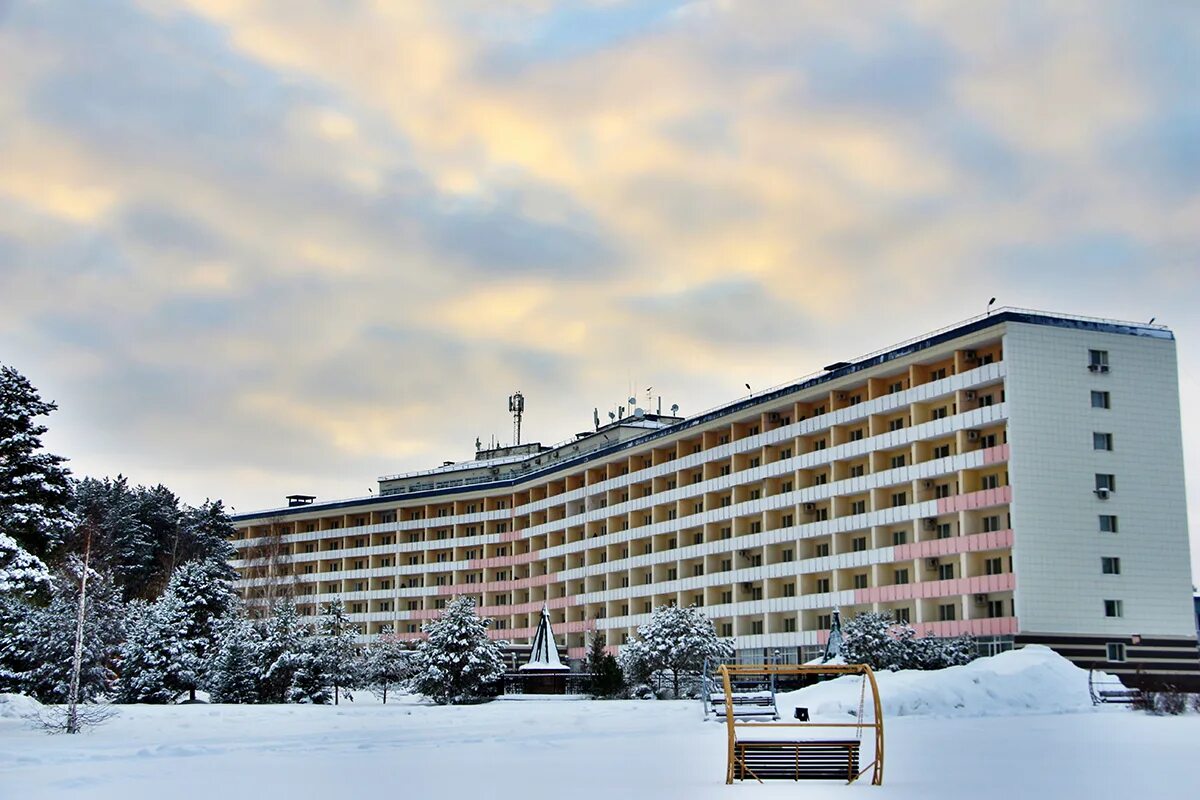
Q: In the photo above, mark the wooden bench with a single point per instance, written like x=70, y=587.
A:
x=795, y=761
x=1119, y=695
x=746, y=706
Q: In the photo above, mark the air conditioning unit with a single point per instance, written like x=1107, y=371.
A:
x=970, y=394
x=930, y=523
x=970, y=355
x=1104, y=367
x=1093, y=367
x=810, y=507
x=981, y=599
x=927, y=484
x=1103, y=492
x=773, y=416
x=932, y=563
x=841, y=395
x=972, y=436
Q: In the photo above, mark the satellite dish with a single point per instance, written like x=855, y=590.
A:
x=612, y=415
x=632, y=400
x=639, y=413
x=674, y=409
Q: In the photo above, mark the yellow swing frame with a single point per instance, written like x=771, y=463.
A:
x=730, y=671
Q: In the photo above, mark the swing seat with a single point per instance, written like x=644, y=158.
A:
x=751, y=705
x=762, y=760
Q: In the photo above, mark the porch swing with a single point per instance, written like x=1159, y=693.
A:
x=801, y=759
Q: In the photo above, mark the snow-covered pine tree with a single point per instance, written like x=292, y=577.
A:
x=388, y=662
x=280, y=653
x=157, y=659
x=606, y=680
x=204, y=534
x=233, y=674
x=339, y=651
x=310, y=678
x=675, y=643
x=40, y=650
x=35, y=490
x=109, y=511
x=457, y=662
x=205, y=591
x=21, y=573
x=874, y=639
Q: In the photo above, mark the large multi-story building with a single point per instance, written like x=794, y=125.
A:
x=1017, y=477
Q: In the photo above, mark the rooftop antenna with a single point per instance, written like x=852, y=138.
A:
x=1151, y=322
x=596, y=417
x=516, y=405
x=674, y=409
x=989, y=307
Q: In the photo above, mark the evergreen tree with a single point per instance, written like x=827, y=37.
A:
x=675, y=642
x=35, y=490
x=204, y=534
x=281, y=652
x=21, y=573
x=311, y=681
x=157, y=660
x=875, y=639
x=110, y=511
x=339, y=650
x=205, y=592
x=607, y=679
x=37, y=654
x=233, y=675
x=457, y=662
x=388, y=662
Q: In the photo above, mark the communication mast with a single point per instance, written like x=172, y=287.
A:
x=516, y=406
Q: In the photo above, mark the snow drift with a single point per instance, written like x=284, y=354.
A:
x=1032, y=680
x=17, y=706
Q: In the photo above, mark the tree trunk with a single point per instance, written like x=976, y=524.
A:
x=77, y=657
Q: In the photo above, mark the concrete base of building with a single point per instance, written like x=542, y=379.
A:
x=1152, y=663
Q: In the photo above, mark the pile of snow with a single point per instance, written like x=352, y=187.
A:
x=1032, y=680
x=18, y=706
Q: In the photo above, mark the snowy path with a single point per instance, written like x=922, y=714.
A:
x=574, y=749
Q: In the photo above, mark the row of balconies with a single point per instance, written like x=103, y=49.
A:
x=810, y=441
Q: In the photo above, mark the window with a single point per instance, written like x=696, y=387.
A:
x=726, y=564
x=941, y=412
x=1102, y=441
x=1106, y=482
x=858, y=507
x=1110, y=565
x=756, y=593
x=822, y=585
x=789, y=590
x=727, y=597
x=822, y=550
x=789, y=625
x=903, y=615
x=946, y=613
x=859, y=544
x=899, y=499
x=819, y=444
x=991, y=523
x=893, y=388
x=756, y=627
x=944, y=531
x=899, y=537
x=896, y=424
x=945, y=572
x=942, y=451
x=726, y=532
x=1101, y=400
x=822, y=514
x=993, y=566
x=785, y=453
x=820, y=479
x=1114, y=608
x=995, y=608
x=1098, y=360
x=787, y=521
x=941, y=490
x=824, y=621
x=726, y=629
x=860, y=581
x=786, y=486
x=898, y=461
x=1108, y=523
x=900, y=577
x=856, y=435
x=990, y=482
x=1114, y=652
x=756, y=527
x=788, y=555
x=697, y=571
x=857, y=471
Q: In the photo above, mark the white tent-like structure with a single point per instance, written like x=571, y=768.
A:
x=543, y=656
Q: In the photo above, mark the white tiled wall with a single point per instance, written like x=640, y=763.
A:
x=1055, y=513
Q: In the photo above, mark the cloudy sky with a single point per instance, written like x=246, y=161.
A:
x=254, y=248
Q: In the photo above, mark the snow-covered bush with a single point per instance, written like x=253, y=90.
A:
x=607, y=679
x=673, y=646
x=457, y=662
x=877, y=640
x=387, y=663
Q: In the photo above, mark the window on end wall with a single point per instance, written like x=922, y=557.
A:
x=1110, y=565
x=1102, y=441
x=1114, y=652
x=1106, y=482
x=1114, y=608
x=1108, y=523
x=1098, y=360
x=1101, y=400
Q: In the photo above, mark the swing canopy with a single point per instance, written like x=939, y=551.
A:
x=791, y=758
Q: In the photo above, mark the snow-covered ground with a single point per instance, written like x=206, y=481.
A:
x=981, y=731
